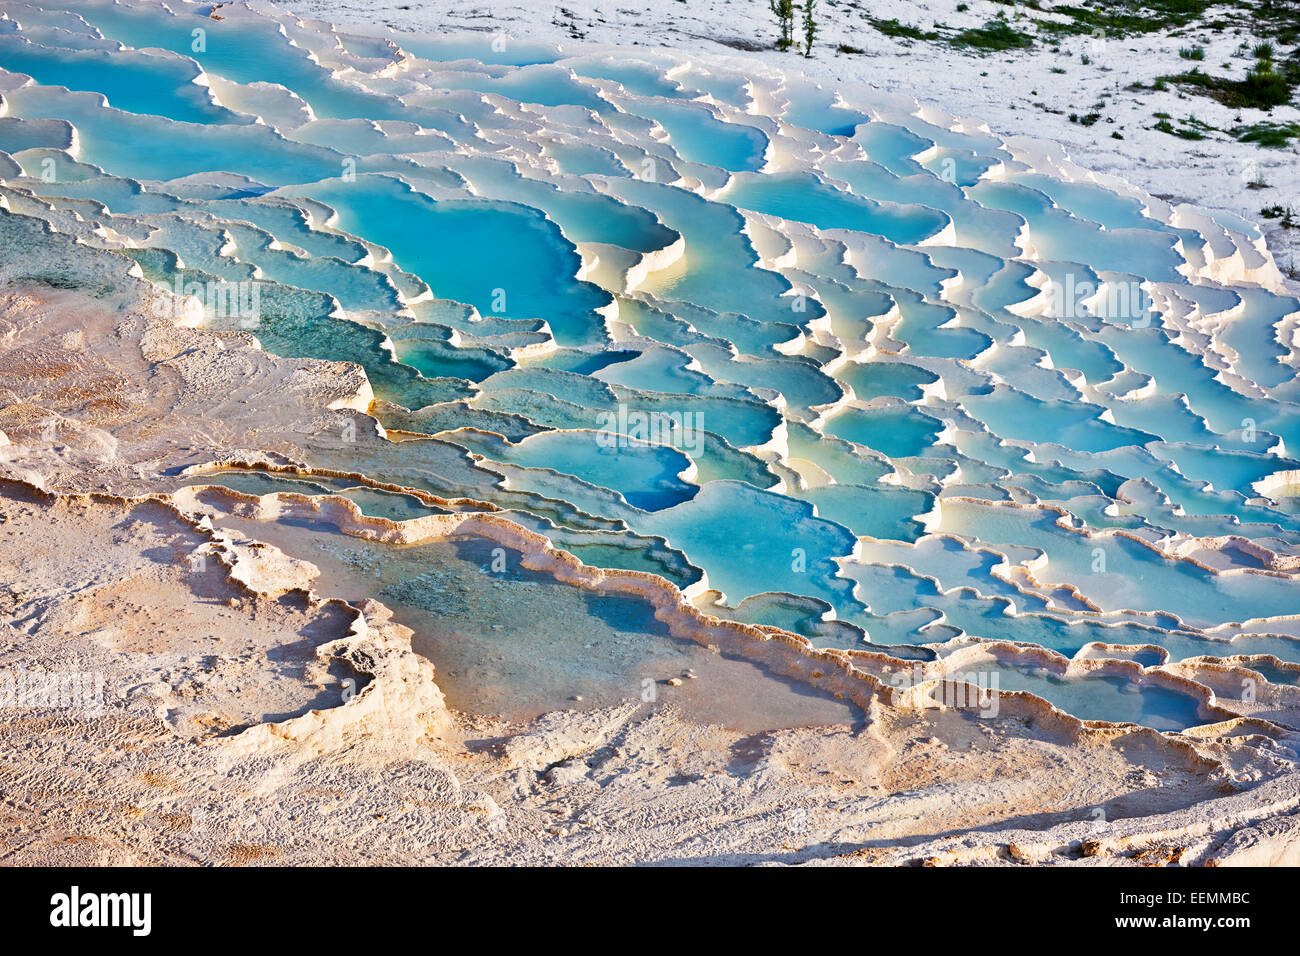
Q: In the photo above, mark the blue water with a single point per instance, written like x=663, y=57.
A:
x=458, y=247
x=805, y=199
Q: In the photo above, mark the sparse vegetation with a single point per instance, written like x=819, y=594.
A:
x=1262, y=88
x=1122, y=17
x=1284, y=214
x=1164, y=126
x=994, y=35
x=1270, y=82
x=892, y=28
x=1189, y=128
x=1269, y=135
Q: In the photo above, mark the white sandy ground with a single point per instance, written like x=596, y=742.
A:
x=1015, y=93
x=195, y=759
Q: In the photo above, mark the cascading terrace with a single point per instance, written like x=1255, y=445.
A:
x=826, y=361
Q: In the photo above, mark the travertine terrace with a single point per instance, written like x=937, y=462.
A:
x=440, y=448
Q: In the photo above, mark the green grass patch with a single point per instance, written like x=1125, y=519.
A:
x=1165, y=126
x=994, y=35
x=1123, y=17
x=1190, y=128
x=893, y=28
x=1262, y=88
x=1269, y=135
